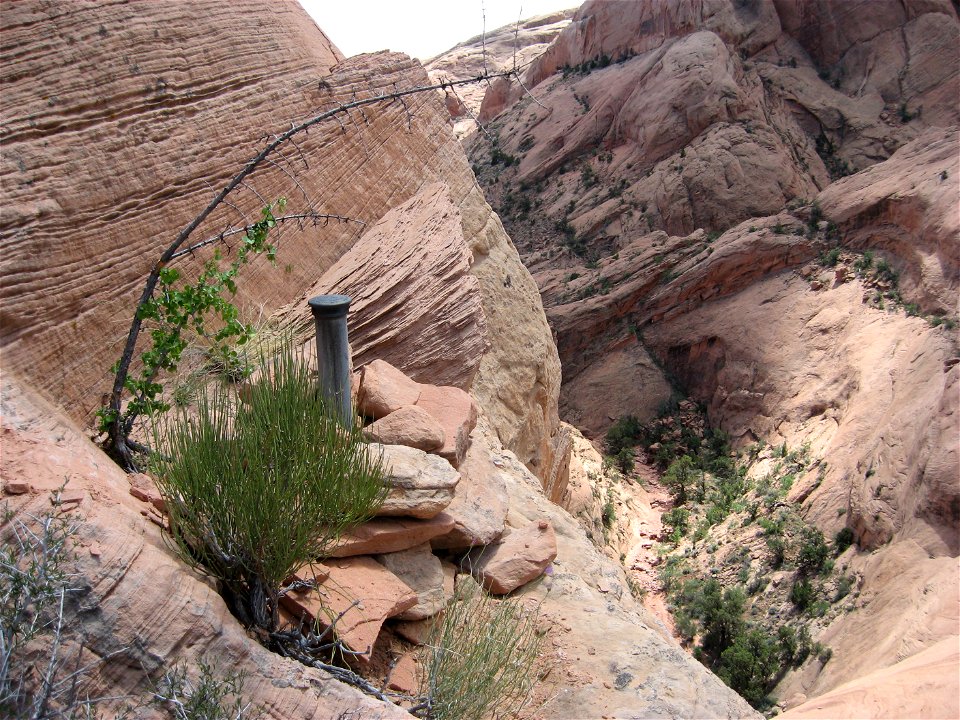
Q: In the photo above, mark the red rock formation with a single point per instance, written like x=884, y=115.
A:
x=107, y=154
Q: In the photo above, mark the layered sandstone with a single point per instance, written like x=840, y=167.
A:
x=511, y=46
x=672, y=183
x=107, y=154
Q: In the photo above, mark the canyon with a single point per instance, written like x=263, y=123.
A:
x=678, y=197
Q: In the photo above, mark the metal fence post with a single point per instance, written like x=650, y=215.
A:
x=333, y=353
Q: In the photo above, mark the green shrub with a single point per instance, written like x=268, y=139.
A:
x=255, y=490
x=677, y=519
x=625, y=461
x=33, y=584
x=750, y=664
x=830, y=258
x=679, y=478
x=802, y=594
x=211, y=696
x=842, y=540
x=813, y=551
x=624, y=433
x=480, y=657
x=778, y=550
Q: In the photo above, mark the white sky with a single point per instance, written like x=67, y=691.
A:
x=420, y=28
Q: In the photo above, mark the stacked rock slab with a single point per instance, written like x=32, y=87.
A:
x=386, y=568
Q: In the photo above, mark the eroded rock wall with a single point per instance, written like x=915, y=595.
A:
x=122, y=121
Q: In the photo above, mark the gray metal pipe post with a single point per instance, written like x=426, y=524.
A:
x=333, y=352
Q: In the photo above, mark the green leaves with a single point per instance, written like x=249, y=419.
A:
x=178, y=306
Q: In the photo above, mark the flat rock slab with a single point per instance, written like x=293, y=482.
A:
x=421, y=570
x=384, y=389
x=456, y=412
x=386, y=535
x=522, y=556
x=421, y=485
x=480, y=504
x=364, y=592
x=411, y=426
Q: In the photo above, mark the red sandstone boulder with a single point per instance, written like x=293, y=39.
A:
x=386, y=535
x=384, y=389
x=419, y=569
x=522, y=556
x=411, y=426
x=421, y=485
x=480, y=504
x=456, y=412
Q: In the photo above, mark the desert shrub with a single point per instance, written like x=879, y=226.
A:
x=625, y=461
x=624, y=433
x=677, y=519
x=778, y=550
x=886, y=272
x=480, y=658
x=842, y=540
x=813, y=551
x=750, y=664
x=209, y=696
x=721, y=614
x=679, y=478
x=254, y=490
x=33, y=587
x=608, y=515
x=830, y=258
x=802, y=594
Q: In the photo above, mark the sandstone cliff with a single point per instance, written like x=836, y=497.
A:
x=100, y=174
x=108, y=153
x=678, y=184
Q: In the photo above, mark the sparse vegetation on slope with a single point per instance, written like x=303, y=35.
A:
x=730, y=532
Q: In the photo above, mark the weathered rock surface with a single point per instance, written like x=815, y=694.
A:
x=125, y=113
x=121, y=560
x=409, y=278
x=518, y=558
x=360, y=594
x=924, y=685
x=495, y=51
x=421, y=571
x=663, y=203
x=386, y=535
x=609, y=656
x=382, y=389
x=480, y=504
x=421, y=485
x=411, y=426
x=456, y=412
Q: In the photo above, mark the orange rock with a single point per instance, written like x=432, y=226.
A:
x=411, y=426
x=385, y=535
x=403, y=677
x=421, y=485
x=359, y=595
x=456, y=412
x=384, y=389
x=522, y=556
x=480, y=504
x=422, y=571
